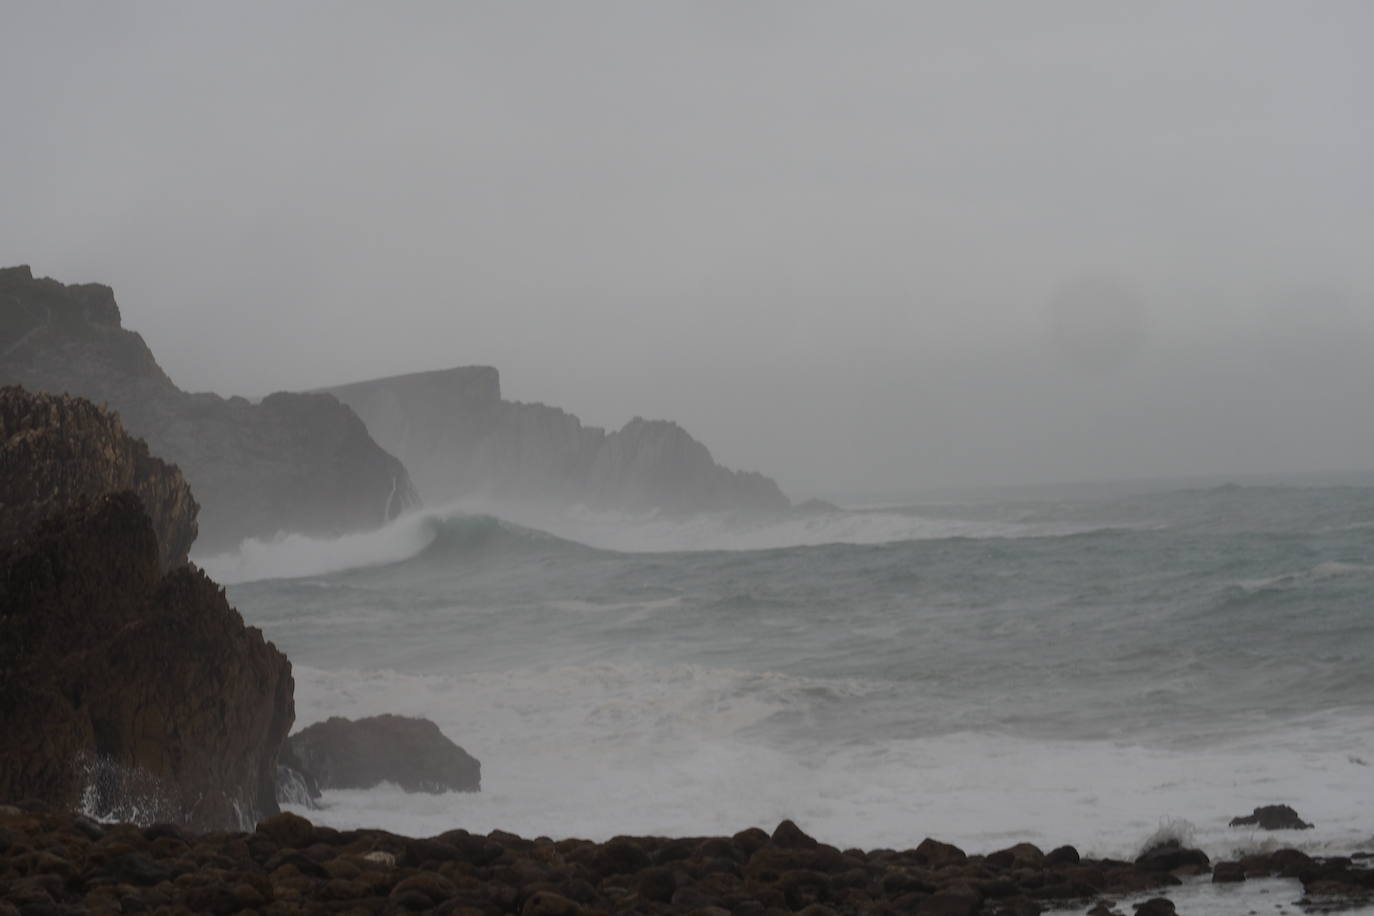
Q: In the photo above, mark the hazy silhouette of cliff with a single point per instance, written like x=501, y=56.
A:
x=460, y=439
x=293, y=462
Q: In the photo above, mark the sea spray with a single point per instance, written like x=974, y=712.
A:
x=293, y=555
x=1077, y=672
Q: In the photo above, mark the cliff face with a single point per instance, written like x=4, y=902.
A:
x=460, y=439
x=60, y=452
x=293, y=462
x=126, y=688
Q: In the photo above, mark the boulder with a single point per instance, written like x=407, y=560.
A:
x=1228, y=873
x=1171, y=855
x=935, y=854
x=789, y=836
x=410, y=752
x=1272, y=817
x=1062, y=855
x=293, y=462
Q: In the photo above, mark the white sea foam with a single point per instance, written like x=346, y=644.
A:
x=1200, y=897
x=656, y=533
x=1090, y=690
x=298, y=555
x=601, y=750
x=293, y=555
x=1330, y=569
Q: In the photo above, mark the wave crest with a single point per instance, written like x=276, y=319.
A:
x=464, y=532
x=290, y=556
x=428, y=537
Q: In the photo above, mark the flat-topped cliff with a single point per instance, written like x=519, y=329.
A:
x=460, y=439
x=293, y=462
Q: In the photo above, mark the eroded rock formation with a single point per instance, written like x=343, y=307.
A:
x=126, y=687
x=460, y=439
x=60, y=452
x=293, y=462
x=360, y=753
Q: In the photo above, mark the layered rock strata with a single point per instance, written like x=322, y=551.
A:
x=128, y=685
x=293, y=462
x=460, y=439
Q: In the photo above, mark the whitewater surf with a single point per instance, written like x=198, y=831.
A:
x=1087, y=671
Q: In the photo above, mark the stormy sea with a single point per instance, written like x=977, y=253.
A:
x=1101, y=666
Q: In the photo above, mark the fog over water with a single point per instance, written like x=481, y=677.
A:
x=864, y=247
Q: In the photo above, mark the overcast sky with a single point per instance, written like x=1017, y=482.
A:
x=865, y=247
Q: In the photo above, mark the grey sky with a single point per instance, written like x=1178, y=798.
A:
x=844, y=243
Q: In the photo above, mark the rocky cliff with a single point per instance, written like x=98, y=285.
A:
x=460, y=439
x=60, y=452
x=127, y=688
x=294, y=462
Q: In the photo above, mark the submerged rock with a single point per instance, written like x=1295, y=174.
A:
x=126, y=689
x=294, y=462
x=358, y=754
x=1272, y=817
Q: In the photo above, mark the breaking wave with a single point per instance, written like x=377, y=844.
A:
x=419, y=538
x=1082, y=671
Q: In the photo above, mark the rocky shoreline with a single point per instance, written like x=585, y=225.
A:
x=56, y=862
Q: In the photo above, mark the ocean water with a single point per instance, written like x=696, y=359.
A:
x=1088, y=669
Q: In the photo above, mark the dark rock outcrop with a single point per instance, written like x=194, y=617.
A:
x=357, y=754
x=1171, y=855
x=460, y=439
x=1340, y=878
x=61, y=452
x=293, y=462
x=125, y=689
x=1272, y=817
